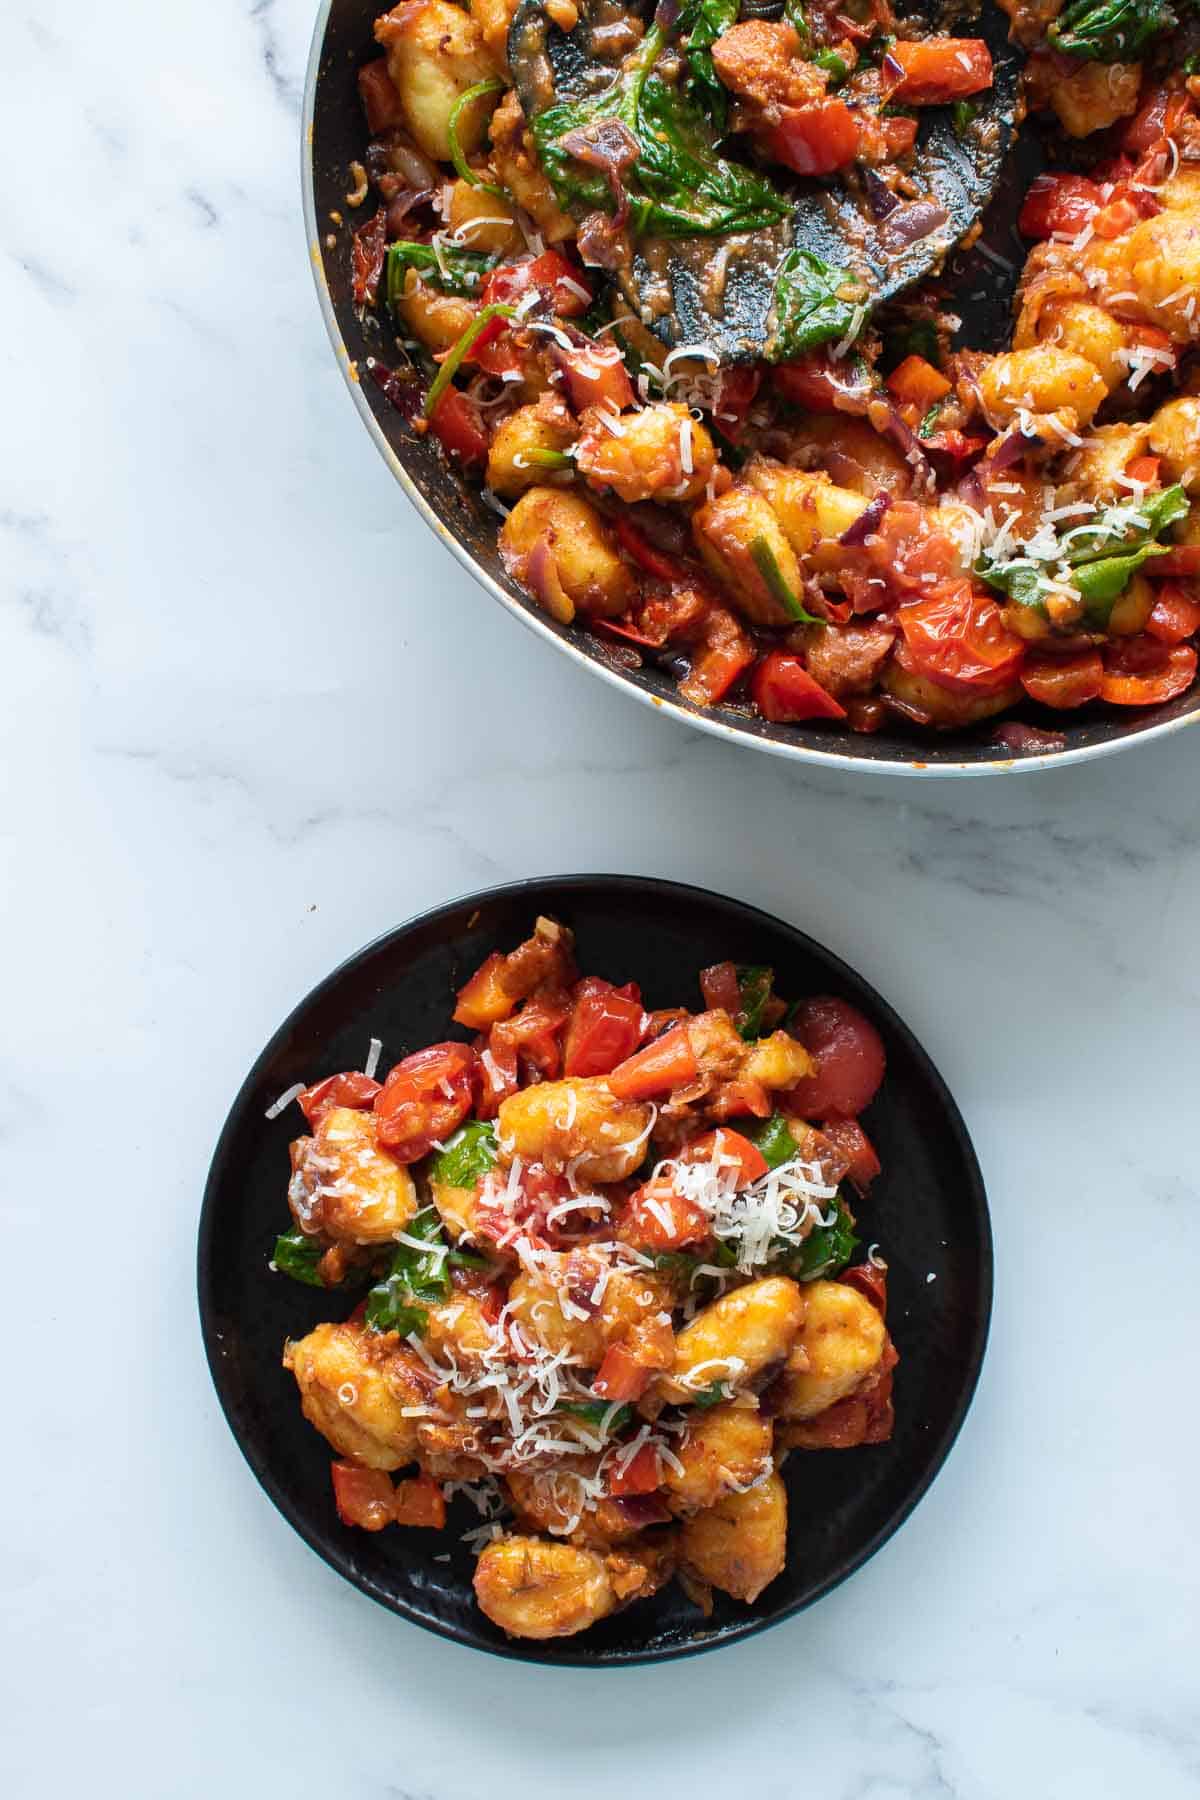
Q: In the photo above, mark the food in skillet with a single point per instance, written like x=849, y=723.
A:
x=604, y=1259
x=647, y=280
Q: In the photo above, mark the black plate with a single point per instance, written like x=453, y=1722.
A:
x=928, y=1211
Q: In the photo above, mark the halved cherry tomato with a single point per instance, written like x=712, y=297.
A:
x=871, y=1282
x=934, y=71
x=1176, y=614
x=424, y=1099
x=736, y=1152
x=1181, y=559
x=908, y=552
x=621, y=1376
x=363, y=1497
x=605, y=1028
x=814, y=140
x=740, y=1098
x=457, y=424
x=665, y=1064
x=819, y=383
x=782, y=689
x=558, y=282
x=855, y=1149
x=1064, y=681
x=641, y=1475
x=499, y=1075
x=1158, y=117
x=655, y=1217
x=380, y=97
x=1058, y=203
x=595, y=375
x=958, y=638
x=420, y=1501
x=915, y=382
x=850, y=1059
x=352, y=1088
x=535, y=1033
x=1132, y=679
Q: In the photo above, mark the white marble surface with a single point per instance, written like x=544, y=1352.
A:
x=253, y=715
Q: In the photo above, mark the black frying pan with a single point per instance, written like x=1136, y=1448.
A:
x=980, y=289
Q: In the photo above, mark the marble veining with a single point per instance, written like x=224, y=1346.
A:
x=253, y=715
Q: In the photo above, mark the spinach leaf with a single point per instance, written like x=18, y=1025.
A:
x=1103, y=581
x=810, y=306
x=701, y=23
x=593, y=1411
x=1109, y=31
x=1114, y=532
x=928, y=424
x=1100, y=559
x=394, y=1304
x=754, y=985
x=297, y=1254
x=709, y=1396
x=835, y=64
x=797, y=18
x=469, y=1153
x=773, y=1139
x=446, y=268
x=679, y=186
x=915, y=337
x=826, y=1250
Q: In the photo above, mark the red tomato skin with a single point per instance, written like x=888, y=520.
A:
x=855, y=1149
x=783, y=690
x=413, y=1108
x=664, y=1064
x=642, y=1229
x=549, y=273
x=642, y=1475
x=938, y=70
x=869, y=1281
x=621, y=1376
x=849, y=1054
x=751, y=1163
x=1064, y=203
x=352, y=1088
x=735, y=396
x=456, y=423
x=1128, y=681
x=380, y=97
x=595, y=375
x=1064, y=682
x=605, y=1028
x=815, y=140
x=420, y=1501
x=958, y=638
x=719, y=985
x=1176, y=614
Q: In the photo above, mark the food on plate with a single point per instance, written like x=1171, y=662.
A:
x=598, y=1270
x=818, y=511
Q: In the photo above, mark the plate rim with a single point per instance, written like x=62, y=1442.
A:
x=696, y=718
x=528, y=1650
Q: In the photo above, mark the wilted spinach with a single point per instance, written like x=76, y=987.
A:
x=810, y=306
x=444, y=266
x=416, y=1278
x=701, y=23
x=1109, y=31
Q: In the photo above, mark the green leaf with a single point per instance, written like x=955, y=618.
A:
x=458, y=353
x=1102, y=582
x=1113, y=533
x=709, y=1396
x=492, y=85
x=700, y=24
x=961, y=115
x=926, y=428
x=914, y=337
x=797, y=18
x=810, y=306
x=469, y=1153
x=593, y=1411
x=835, y=64
x=773, y=1139
x=1109, y=31
x=450, y=270
x=826, y=1250
x=754, y=985
x=1102, y=557
x=296, y=1254
x=415, y=1275
x=679, y=186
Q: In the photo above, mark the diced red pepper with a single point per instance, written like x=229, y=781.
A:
x=352, y=1088
x=667, y=1063
x=855, y=1149
x=595, y=375
x=363, y=1497
x=641, y=1475
x=736, y=391
x=1144, y=470
x=655, y=1217
x=934, y=71
x=720, y=660
x=1180, y=560
x=815, y=140
x=648, y=556
x=605, y=1028
x=621, y=1375
x=420, y=1501
x=483, y=1000
x=559, y=283
x=1176, y=614
x=915, y=382
x=783, y=690
x=748, y=1162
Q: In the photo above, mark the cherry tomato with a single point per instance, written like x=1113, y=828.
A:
x=1176, y=614
x=1132, y=678
x=719, y=985
x=737, y=1153
x=869, y=1281
x=605, y=1028
x=782, y=689
x=558, y=282
x=535, y=1033
x=641, y=1475
x=595, y=375
x=457, y=424
x=736, y=390
x=1064, y=681
x=424, y=1099
x=1058, y=203
x=815, y=140
x=855, y=1149
x=817, y=382
x=958, y=638
x=849, y=1055
x=655, y=1217
x=352, y=1088
x=380, y=97
x=665, y=1064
